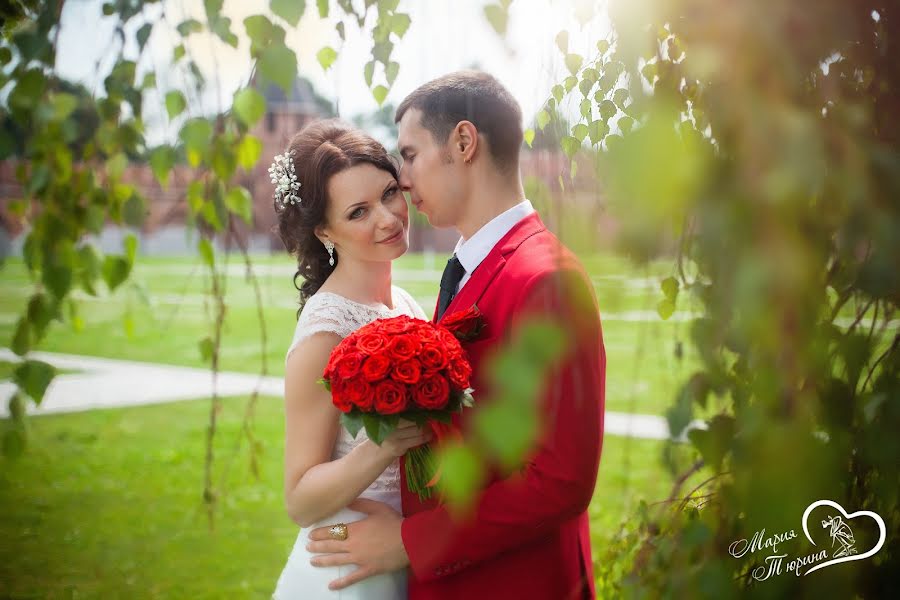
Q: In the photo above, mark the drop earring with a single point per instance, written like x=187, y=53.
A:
x=329, y=245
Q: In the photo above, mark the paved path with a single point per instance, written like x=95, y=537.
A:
x=110, y=383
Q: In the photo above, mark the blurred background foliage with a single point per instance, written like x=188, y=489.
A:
x=752, y=144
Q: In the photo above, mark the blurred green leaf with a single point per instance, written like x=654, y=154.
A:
x=115, y=271
x=239, y=202
x=574, y=62
x=17, y=408
x=380, y=93
x=607, y=110
x=529, y=136
x=665, y=308
x=143, y=34
x=562, y=41
x=21, y=342
x=597, y=131
x=162, y=159
x=322, y=5
x=586, y=109
x=558, y=93
x=206, y=252
x=543, y=117
x=670, y=287
x=248, y=151
x=369, y=72
x=249, y=106
x=207, y=348
x=462, y=474
x=497, y=17
x=400, y=23
x=715, y=441
x=570, y=145
x=63, y=105
x=580, y=131
x=33, y=377
x=326, y=57
x=196, y=134
x=131, y=245
x=189, y=26
x=278, y=63
x=391, y=72
x=289, y=10
x=28, y=90
x=134, y=211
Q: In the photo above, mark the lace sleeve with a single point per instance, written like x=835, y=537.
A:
x=320, y=316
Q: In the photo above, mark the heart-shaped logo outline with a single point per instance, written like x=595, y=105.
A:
x=864, y=513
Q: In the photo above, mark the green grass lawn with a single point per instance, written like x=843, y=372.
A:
x=162, y=314
x=107, y=504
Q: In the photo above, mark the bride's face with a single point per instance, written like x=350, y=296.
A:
x=367, y=216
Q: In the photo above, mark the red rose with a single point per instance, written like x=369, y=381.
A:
x=360, y=393
x=371, y=343
x=432, y=393
x=464, y=324
x=433, y=357
x=459, y=373
x=376, y=367
x=450, y=344
x=402, y=347
x=339, y=398
x=390, y=397
x=407, y=371
x=428, y=333
x=394, y=325
x=349, y=365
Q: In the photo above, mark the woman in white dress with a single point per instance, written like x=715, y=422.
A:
x=342, y=214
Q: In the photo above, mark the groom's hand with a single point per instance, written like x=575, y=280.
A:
x=373, y=544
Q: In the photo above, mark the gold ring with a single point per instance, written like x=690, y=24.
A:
x=338, y=532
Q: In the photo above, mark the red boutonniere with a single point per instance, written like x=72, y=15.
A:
x=465, y=325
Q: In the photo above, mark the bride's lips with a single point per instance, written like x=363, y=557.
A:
x=394, y=238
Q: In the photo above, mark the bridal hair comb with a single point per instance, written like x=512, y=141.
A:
x=285, y=179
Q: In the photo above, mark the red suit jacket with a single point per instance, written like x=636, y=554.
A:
x=528, y=534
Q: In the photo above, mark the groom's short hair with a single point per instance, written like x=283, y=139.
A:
x=470, y=96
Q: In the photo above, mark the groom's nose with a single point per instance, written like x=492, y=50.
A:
x=403, y=179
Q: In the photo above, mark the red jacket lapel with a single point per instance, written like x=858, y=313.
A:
x=493, y=263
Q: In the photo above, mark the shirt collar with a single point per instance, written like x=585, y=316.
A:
x=473, y=251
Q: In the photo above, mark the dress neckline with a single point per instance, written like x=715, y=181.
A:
x=380, y=309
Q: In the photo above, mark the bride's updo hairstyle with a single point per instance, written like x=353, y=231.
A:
x=320, y=151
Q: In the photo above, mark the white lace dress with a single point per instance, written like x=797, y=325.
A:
x=327, y=312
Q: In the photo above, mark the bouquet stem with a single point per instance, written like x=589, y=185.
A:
x=420, y=469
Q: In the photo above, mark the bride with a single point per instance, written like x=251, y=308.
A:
x=341, y=213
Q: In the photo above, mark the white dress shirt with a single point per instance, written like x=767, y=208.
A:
x=473, y=251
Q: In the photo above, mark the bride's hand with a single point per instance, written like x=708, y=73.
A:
x=406, y=436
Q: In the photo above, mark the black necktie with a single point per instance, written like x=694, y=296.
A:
x=453, y=274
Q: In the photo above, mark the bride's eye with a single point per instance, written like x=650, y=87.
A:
x=390, y=192
x=357, y=213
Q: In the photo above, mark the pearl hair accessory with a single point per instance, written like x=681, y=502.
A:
x=285, y=179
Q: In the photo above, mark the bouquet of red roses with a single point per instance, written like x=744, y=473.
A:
x=403, y=368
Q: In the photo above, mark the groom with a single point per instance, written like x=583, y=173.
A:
x=528, y=535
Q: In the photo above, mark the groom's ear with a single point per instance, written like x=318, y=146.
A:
x=464, y=141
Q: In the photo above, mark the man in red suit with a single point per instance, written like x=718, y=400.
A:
x=527, y=535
